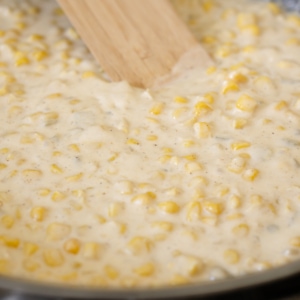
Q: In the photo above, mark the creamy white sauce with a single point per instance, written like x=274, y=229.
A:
x=108, y=158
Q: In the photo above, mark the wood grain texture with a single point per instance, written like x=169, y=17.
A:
x=133, y=40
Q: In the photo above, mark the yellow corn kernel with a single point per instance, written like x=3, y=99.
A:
x=163, y=225
x=132, y=141
x=295, y=241
x=125, y=187
x=191, y=157
x=39, y=55
x=250, y=174
x=239, y=123
x=165, y=158
x=56, y=169
x=194, y=210
x=145, y=198
x=72, y=246
x=58, y=231
x=53, y=257
x=114, y=209
x=30, y=248
x=140, y=245
x=274, y=8
x=245, y=19
x=181, y=100
x=30, y=266
x=111, y=272
x=7, y=221
x=88, y=74
x=209, y=97
x=256, y=200
x=179, y=280
x=2, y=33
x=75, y=177
x=213, y=207
x=58, y=196
x=169, y=207
x=11, y=242
x=230, y=86
x=157, y=108
x=235, y=216
x=264, y=84
x=44, y=192
x=294, y=19
x=207, y=5
x=145, y=270
x=38, y=213
x=231, y=256
x=209, y=40
x=74, y=148
x=91, y=250
x=241, y=230
x=176, y=113
x=4, y=91
x=249, y=49
x=211, y=70
x=21, y=60
x=240, y=145
x=2, y=166
x=36, y=37
x=201, y=108
x=239, y=78
x=281, y=105
x=235, y=201
x=224, y=50
x=293, y=42
x=122, y=228
x=246, y=103
x=252, y=29
x=152, y=137
x=202, y=130
x=32, y=174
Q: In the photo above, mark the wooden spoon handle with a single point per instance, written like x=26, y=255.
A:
x=135, y=40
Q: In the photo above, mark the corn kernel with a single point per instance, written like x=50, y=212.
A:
x=252, y=29
x=72, y=246
x=58, y=231
x=295, y=242
x=132, y=141
x=114, y=209
x=294, y=19
x=139, y=245
x=11, y=242
x=58, y=196
x=194, y=210
x=152, y=137
x=157, y=108
x=231, y=256
x=202, y=129
x=239, y=78
x=239, y=123
x=280, y=105
x=74, y=147
x=240, y=145
x=209, y=40
x=181, y=100
x=39, y=55
x=30, y=248
x=75, y=177
x=7, y=221
x=145, y=270
x=38, y=213
x=32, y=174
x=91, y=250
x=111, y=272
x=241, y=230
x=56, y=169
x=274, y=8
x=145, y=198
x=30, y=266
x=202, y=108
x=169, y=207
x=211, y=70
x=235, y=201
x=21, y=61
x=53, y=257
x=213, y=207
x=3, y=166
x=88, y=74
x=230, y=86
x=250, y=174
x=246, y=103
x=44, y=192
x=165, y=226
x=245, y=19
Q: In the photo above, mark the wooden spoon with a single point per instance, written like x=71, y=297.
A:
x=134, y=40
